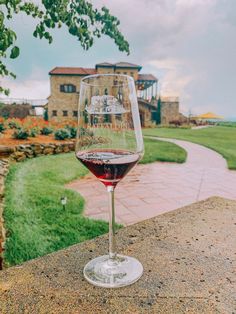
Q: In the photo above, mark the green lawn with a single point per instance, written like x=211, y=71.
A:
x=162, y=151
x=219, y=138
x=34, y=218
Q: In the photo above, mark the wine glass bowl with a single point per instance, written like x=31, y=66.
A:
x=109, y=143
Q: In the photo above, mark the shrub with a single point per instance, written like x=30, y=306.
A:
x=21, y=134
x=46, y=130
x=14, y=124
x=72, y=130
x=33, y=132
x=2, y=128
x=83, y=131
x=62, y=134
x=228, y=124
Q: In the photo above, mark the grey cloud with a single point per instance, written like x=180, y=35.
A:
x=188, y=44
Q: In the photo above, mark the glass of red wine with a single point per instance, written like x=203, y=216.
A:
x=109, y=143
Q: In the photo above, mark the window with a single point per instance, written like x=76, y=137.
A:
x=132, y=74
x=67, y=88
x=65, y=113
x=54, y=113
x=75, y=113
x=125, y=73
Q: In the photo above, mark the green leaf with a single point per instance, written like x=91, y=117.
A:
x=15, y=52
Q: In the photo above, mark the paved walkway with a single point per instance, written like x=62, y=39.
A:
x=149, y=190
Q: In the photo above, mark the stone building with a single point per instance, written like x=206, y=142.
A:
x=169, y=111
x=65, y=86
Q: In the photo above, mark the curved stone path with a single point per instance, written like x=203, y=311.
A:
x=151, y=189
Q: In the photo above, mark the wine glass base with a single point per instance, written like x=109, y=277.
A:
x=108, y=273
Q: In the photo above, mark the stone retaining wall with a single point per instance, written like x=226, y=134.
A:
x=24, y=151
x=4, y=164
x=34, y=150
x=21, y=153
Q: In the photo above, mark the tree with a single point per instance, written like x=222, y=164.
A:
x=158, y=120
x=80, y=17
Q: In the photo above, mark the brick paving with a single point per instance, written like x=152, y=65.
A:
x=152, y=189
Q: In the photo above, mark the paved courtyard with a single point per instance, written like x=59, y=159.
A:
x=152, y=189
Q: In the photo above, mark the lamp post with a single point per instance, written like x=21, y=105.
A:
x=64, y=202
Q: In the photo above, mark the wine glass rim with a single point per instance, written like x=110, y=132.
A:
x=128, y=77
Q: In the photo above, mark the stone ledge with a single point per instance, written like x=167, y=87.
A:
x=189, y=267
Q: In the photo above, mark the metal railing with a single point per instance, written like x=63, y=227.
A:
x=19, y=101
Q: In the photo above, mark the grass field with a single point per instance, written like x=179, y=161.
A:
x=34, y=218
x=162, y=151
x=221, y=139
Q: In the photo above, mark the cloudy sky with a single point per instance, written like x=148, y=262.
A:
x=189, y=45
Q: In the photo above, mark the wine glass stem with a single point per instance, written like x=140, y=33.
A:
x=112, y=240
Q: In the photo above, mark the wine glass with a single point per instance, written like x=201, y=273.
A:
x=109, y=143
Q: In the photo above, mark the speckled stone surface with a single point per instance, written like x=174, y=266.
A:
x=189, y=259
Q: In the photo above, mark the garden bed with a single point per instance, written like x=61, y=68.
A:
x=6, y=139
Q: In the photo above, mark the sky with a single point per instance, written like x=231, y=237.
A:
x=189, y=45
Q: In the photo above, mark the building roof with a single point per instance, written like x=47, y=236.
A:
x=119, y=65
x=104, y=64
x=89, y=71
x=127, y=65
x=72, y=71
x=146, y=77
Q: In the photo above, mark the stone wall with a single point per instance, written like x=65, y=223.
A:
x=145, y=113
x=23, y=152
x=4, y=163
x=169, y=111
x=61, y=101
x=127, y=71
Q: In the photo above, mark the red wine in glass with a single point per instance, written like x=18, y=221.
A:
x=109, y=166
x=109, y=143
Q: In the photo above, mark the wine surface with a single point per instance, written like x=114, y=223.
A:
x=109, y=166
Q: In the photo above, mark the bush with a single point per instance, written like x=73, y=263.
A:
x=46, y=130
x=83, y=131
x=2, y=128
x=228, y=124
x=171, y=126
x=72, y=130
x=33, y=132
x=62, y=134
x=21, y=134
x=13, y=124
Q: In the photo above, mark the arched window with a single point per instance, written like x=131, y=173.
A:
x=68, y=88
